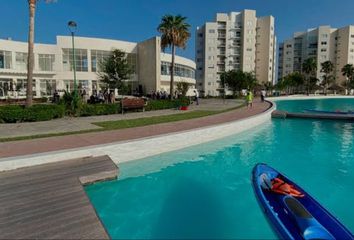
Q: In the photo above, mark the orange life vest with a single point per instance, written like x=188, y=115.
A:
x=281, y=187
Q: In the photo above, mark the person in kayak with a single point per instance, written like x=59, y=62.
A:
x=277, y=185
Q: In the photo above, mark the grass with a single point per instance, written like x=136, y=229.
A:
x=129, y=123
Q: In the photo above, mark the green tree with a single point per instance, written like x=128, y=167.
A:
x=182, y=88
x=174, y=33
x=309, y=68
x=114, y=70
x=348, y=72
x=327, y=68
x=237, y=80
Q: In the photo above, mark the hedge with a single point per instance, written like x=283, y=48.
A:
x=17, y=113
x=99, y=109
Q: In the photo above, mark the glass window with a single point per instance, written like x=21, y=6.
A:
x=180, y=70
x=47, y=87
x=81, y=62
x=131, y=59
x=5, y=60
x=6, y=85
x=21, y=61
x=21, y=87
x=46, y=62
x=97, y=57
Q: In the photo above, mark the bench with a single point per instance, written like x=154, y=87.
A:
x=132, y=103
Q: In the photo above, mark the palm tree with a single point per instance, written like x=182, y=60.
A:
x=30, y=60
x=348, y=72
x=327, y=67
x=309, y=67
x=174, y=33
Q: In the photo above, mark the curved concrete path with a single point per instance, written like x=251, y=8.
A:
x=43, y=145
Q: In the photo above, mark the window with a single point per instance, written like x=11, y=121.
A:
x=21, y=86
x=97, y=58
x=323, y=43
x=81, y=61
x=180, y=70
x=21, y=61
x=324, y=35
x=352, y=36
x=46, y=62
x=323, y=50
x=288, y=45
x=249, y=49
x=249, y=23
x=211, y=31
x=131, y=59
x=200, y=35
x=47, y=87
x=5, y=60
x=6, y=85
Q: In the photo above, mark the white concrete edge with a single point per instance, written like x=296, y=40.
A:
x=121, y=152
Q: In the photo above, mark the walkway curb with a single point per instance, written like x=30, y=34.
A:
x=121, y=152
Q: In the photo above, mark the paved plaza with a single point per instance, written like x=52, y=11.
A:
x=85, y=123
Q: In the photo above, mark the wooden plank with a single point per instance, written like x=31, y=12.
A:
x=49, y=202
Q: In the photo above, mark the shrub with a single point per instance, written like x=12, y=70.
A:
x=99, y=109
x=17, y=113
x=153, y=105
x=11, y=114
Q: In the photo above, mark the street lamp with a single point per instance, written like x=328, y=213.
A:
x=72, y=27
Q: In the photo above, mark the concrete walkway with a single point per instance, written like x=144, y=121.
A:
x=85, y=123
x=27, y=147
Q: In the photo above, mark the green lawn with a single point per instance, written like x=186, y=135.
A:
x=129, y=123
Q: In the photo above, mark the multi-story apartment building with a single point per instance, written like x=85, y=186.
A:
x=238, y=40
x=323, y=44
x=53, y=68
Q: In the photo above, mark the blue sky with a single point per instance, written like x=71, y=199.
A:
x=136, y=20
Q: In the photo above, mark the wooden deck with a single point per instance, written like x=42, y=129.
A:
x=49, y=202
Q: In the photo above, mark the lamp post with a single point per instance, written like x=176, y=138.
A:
x=72, y=27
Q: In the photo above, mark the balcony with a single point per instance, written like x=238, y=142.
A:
x=221, y=62
x=221, y=35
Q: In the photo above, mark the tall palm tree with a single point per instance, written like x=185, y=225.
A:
x=327, y=68
x=348, y=72
x=174, y=33
x=30, y=60
x=309, y=67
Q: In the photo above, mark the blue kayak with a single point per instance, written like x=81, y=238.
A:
x=292, y=212
x=329, y=112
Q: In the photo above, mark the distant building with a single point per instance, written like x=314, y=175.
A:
x=238, y=40
x=53, y=68
x=323, y=44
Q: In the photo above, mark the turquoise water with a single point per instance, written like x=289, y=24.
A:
x=205, y=191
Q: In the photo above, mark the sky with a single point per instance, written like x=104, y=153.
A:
x=137, y=20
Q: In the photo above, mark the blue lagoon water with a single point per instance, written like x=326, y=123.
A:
x=205, y=191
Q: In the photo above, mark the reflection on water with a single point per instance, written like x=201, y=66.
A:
x=205, y=191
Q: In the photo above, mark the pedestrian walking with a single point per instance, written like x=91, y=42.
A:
x=196, y=97
x=249, y=99
x=263, y=95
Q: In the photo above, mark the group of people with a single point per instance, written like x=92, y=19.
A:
x=102, y=97
x=159, y=95
x=249, y=98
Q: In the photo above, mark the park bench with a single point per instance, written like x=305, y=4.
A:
x=132, y=103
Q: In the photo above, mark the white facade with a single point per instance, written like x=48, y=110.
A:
x=238, y=40
x=53, y=65
x=323, y=44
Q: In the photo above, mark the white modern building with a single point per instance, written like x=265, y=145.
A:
x=238, y=40
x=323, y=44
x=53, y=68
